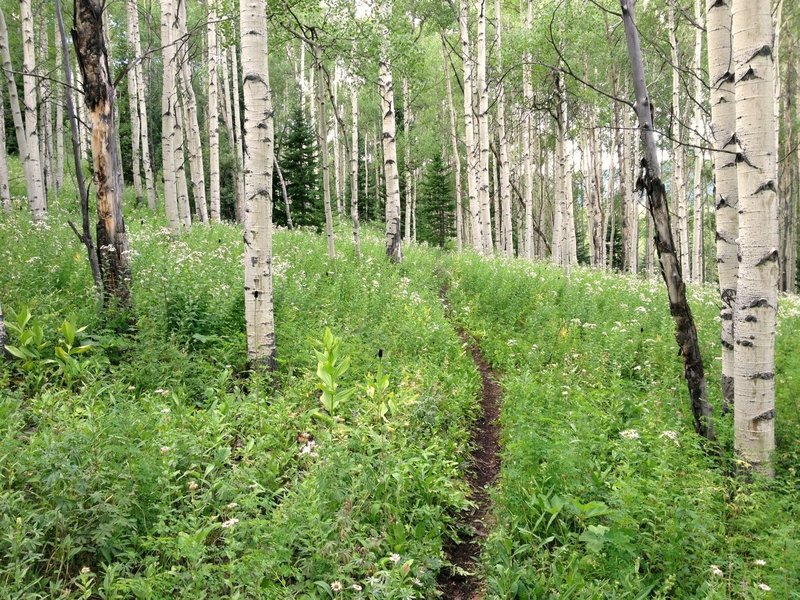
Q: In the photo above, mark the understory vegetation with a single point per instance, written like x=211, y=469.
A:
x=140, y=459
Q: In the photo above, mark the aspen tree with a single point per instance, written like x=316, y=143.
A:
x=169, y=112
x=476, y=236
x=631, y=216
x=527, y=95
x=258, y=131
x=678, y=153
x=112, y=241
x=650, y=181
x=184, y=209
x=483, y=130
x=58, y=98
x=407, y=157
x=507, y=238
x=191, y=126
x=213, y=113
x=133, y=102
x=354, y=164
x=337, y=157
x=3, y=335
x=144, y=128
x=322, y=144
x=723, y=130
x=757, y=287
x=38, y=201
x=46, y=137
x=456, y=155
x=698, y=154
x=5, y=192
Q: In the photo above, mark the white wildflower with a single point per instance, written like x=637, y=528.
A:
x=356, y=587
x=85, y=570
x=230, y=523
x=759, y=562
x=670, y=435
x=716, y=571
x=395, y=558
x=336, y=586
x=164, y=449
x=764, y=587
x=629, y=434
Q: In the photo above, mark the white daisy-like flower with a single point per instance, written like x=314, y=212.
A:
x=716, y=571
x=336, y=586
x=230, y=523
x=192, y=485
x=764, y=587
x=356, y=587
x=395, y=558
x=85, y=570
x=760, y=562
x=629, y=434
x=164, y=449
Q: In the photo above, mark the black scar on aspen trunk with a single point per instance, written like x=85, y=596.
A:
x=765, y=416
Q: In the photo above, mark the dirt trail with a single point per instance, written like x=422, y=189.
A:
x=454, y=584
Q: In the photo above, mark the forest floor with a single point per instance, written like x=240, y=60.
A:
x=153, y=464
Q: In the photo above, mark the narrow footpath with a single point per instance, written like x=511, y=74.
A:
x=463, y=581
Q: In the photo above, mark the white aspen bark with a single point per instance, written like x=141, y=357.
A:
x=494, y=198
x=322, y=144
x=354, y=167
x=757, y=288
x=228, y=119
x=141, y=101
x=507, y=238
x=475, y=237
x=36, y=197
x=631, y=209
x=191, y=123
x=366, y=176
x=5, y=191
x=726, y=201
x=483, y=130
x=407, y=158
x=213, y=113
x=564, y=239
x=46, y=138
x=414, y=208
x=338, y=180
x=133, y=99
x=393, y=235
x=678, y=153
x=169, y=111
x=58, y=98
x=456, y=156
x=697, y=123
x=237, y=129
x=527, y=94
x=302, y=77
x=184, y=208
x=258, y=131
x=596, y=227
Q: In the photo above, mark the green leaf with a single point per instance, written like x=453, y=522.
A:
x=19, y=352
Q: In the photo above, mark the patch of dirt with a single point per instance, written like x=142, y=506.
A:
x=462, y=582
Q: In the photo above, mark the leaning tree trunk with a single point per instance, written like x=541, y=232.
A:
x=258, y=132
x=3, y=335
x=36, y=198
x=112, y=241
x=650, y=181
x=213, y=113
x=169, y=111
x=723, y=130
x=475, y=235
x=757, y=289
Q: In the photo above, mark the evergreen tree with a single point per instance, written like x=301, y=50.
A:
x=436, y=204
x=298, y=160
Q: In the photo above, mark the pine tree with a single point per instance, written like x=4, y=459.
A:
x=298, y=158
x=438, y=208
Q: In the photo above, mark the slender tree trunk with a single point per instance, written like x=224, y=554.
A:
x=133, y=101
x=46, y=138
x=723, y=130
x=258, y=131
x=213, y=112
x=527, y=94
x=507, y=238
x=456, y=155
x=5, y=192
x=141, y=103
x=322, y=143
x=58, y=98
x=237, y=128
x=757, y=289
x=112, y=241
x=338, y=180
x=191, y=124
x=685, y=330
x=169, y=111
x=407, y=158
x=631, y=208
x=476, y=237
x=86, y=234
x=354, y=168
x=36, y=196
x=287, y=204
x=678, y=152
x=483, y=130
x=3, y=336
x=184, y=209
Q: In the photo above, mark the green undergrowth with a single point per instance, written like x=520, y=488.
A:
x=605, y=490
x=154, y=465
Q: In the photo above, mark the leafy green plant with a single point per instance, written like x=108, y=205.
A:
x=330, y=368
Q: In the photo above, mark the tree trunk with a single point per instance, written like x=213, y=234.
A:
x=322, y=144
x=191, y=124
x=112, y=241
x=338, y=180
x=476, y=237
x=169, y=109
x=650, y=181
x=36, y=195
x=697, y=123
x=5, y=192
x=213, y=113
x=407, y=158
x=19, y=126
x=757, y=289
x=3, y=335
x=258, y=131
x=483, y=131
x=184, y=209
x=456, y=155
x=46, y=141
x=141, y=102
x=58, y=98
x=133, y=101
x=237, y=128
x=86, y=234
x=631, y=208
x=723, y=130
x=507, y=237
x=678, y=152
x=354, y=167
